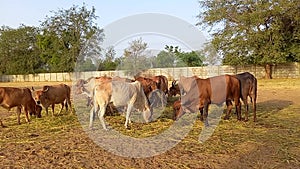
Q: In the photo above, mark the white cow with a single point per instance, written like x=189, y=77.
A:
x=121, y=94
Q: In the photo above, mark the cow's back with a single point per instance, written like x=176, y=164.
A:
x=57, y=93
x=123, y=92
x=12, y=97
x=219, y=88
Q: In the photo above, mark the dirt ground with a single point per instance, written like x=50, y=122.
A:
x=60, y=141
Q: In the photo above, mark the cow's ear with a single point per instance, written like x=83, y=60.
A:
x=45, y=88
x=173, y=82
x=32, y=88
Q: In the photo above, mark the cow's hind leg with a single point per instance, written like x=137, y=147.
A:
x=70, y=104
x=238, y=108
x=101, y=116
x=93, y=112
x=245, y=101
x=201, y=114
x=62, y=106
x=67, y=106
x=205, y=115
x=53, y=106
x=1, y=123
x=228, y=111
x=18, y=114
x=128, y=112
x=46, y=108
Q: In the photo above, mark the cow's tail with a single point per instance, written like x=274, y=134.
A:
x=253, y=94
x=68, y=100
x=253, y=90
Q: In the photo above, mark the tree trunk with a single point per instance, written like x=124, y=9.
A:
x=268, y=69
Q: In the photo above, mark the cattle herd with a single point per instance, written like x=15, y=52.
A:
x=140, y=94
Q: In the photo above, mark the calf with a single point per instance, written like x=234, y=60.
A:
x=21, y=98
x=51, y=95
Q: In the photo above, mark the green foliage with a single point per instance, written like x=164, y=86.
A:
x=165, y=59
x=18, y=51
x=110, y=62
x=191, y=59
x=174, y=57
x=254, y=32
x=63, y=36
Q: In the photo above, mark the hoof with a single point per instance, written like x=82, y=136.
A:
x=226, y=118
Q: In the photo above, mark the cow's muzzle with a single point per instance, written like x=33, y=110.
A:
x=38, y=102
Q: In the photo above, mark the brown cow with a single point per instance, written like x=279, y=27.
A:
x=148, y=84
x=199, y=93
x=21, y=98
x=162, y=83
x=174, y=89
x=51, y=95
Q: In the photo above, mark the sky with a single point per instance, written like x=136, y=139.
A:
x=13, y=13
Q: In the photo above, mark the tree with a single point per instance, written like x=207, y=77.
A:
x=165, y=59
x=211, y=55
x=173, y=56
x=135, y=58
x=110, y=61
x=254, y=32
x=64, y=35
x=18, y=51
x=191, y=59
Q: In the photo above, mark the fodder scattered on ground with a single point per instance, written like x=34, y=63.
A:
x=60, y=141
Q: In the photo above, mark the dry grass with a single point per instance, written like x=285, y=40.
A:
x=60, y=142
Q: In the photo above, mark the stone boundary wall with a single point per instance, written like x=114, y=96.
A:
x=291, y=70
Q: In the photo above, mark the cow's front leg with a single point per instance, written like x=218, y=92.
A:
x=46, y=108
x=18, y=114
x=53, y=105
